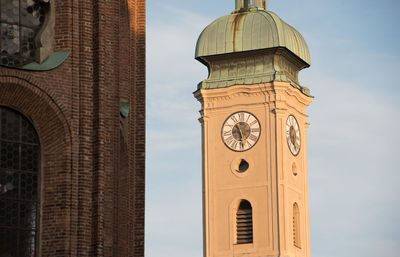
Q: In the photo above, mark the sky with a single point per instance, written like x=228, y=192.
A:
x=353, y=140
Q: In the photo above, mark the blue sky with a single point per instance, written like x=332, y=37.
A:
x=353, y=140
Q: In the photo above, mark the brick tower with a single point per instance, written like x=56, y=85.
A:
x=72, y=128
x=254, y=130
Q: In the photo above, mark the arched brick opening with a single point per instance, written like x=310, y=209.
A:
x=56, y=176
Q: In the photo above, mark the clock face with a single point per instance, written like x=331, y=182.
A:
x=293, y=135
x=241, y=131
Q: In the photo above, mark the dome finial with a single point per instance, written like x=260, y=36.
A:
x=261, y=4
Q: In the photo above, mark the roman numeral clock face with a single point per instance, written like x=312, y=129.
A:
x=293, y=135
x=241, y=131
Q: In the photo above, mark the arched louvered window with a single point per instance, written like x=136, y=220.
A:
x=20, y=23
x=296, y=226
x=244, y=223
x=19, y=179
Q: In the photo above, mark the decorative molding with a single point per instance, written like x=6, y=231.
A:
x=44, y=40
x=270, y=89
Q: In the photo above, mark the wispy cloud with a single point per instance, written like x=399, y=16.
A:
x=173, y=214
x=353, y=169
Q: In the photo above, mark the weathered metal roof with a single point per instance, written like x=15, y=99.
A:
x=52, y=62
x=250, y=29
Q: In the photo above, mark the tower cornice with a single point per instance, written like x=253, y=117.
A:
x=278, y=93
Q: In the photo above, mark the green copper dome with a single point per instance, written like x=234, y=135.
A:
x=250, y=29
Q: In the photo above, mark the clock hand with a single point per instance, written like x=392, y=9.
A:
x=244, y=141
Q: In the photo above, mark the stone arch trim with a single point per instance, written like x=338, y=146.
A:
x=56, y=162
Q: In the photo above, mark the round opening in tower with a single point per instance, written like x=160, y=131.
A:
x=242, y=166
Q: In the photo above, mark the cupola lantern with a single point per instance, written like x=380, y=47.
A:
x=245, y=4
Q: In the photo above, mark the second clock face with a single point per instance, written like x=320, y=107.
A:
x=241, y=131
x=293, y=135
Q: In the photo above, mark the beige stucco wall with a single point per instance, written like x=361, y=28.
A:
x=269, y=184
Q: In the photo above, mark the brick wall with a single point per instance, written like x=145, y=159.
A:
x=92, y=199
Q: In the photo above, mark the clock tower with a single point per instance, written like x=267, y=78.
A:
x=254, y=135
